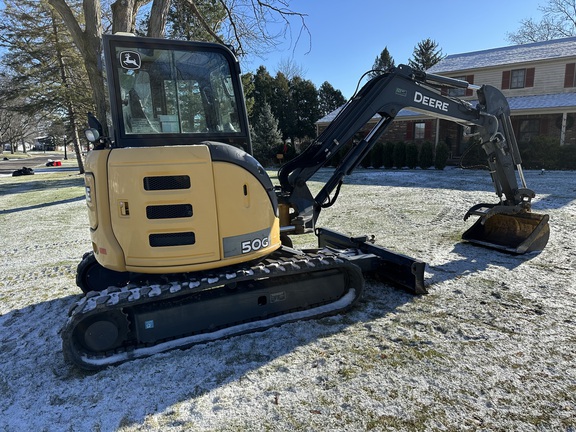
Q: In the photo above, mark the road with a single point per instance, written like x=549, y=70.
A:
x=36, y=162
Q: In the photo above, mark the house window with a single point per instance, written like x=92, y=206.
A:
x=518, y=78
x=528, y=129
x=419, y=130
x=460, y=92
x=457, y=92
x=569, y=77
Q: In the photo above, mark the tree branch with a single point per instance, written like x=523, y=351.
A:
x=203, y=22
x=71, y=23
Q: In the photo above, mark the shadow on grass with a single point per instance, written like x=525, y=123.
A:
x=130, y=392
x=37, y=206
x=9, y=188
x=474, y=259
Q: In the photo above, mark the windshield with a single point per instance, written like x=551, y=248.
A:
x=165, y=91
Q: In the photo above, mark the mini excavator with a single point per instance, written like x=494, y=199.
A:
x=191, y=241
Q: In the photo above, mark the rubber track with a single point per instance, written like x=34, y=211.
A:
x=277, y=264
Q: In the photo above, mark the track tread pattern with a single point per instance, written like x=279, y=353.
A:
x=279, y=264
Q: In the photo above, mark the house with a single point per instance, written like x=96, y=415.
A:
x=538, y=79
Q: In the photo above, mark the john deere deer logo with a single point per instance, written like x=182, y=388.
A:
x=130, y=60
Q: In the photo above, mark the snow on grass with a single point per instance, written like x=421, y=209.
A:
x=491, y=347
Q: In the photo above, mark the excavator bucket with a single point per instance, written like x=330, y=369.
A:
x=514, y=233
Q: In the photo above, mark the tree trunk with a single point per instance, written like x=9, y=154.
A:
x=158, y=16
x=123, y=16
x=78, y=150
x=70, y=106
x=88, y=43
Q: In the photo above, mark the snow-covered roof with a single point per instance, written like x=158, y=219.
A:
x=536, y=102
x=560, y=100
x=524, y=53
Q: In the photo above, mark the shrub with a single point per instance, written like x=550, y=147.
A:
x=399, y=154
x=411, y=155
x=567, y=157
x=388, y=155
x=367, y=160
x=474, y=155
x=285, y=149
x=426, y=158
x=337, y=158
x=540, y=152
x=377, y=155
x=441, y=157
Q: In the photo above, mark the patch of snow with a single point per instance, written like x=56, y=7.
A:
x=491, y=347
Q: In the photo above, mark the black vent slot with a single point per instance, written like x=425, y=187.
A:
x=172, y=239
x=171, y=211
x=166, y=182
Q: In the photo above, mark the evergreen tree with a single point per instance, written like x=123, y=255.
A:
x=366, y=161
x=280, y=103
x=441, y=157
x=294, y=103
x=426, y=156
x=263, y=91
x=266, y=136
x=377, y=155
x=426, y=54
x=329, y=99
x=411, y=155
x=382, y=63
x=47, y=76
x=399, y=154
x=248, y=87
x=388, y=155
x=303, y=109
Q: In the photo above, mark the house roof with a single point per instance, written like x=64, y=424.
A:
x=524, y=53
x=560, y=100
x=517, y=103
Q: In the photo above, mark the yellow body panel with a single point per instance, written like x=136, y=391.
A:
x=228, y=216
x=106, y=248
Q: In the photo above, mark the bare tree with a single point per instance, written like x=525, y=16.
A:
x=558, y=21
x=247, y=26
x=290, y=69
x=16, y=127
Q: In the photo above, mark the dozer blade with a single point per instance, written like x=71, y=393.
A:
x=383, y=264
x=514, y=233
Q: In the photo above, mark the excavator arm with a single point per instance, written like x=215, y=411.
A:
x=386, y=95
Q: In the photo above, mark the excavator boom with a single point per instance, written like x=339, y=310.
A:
x=508, y=225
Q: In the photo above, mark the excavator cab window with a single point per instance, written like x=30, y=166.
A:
x=166, y=95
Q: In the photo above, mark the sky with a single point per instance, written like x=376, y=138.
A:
x=347, y=36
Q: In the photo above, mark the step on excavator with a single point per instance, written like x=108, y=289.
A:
x=191, y=240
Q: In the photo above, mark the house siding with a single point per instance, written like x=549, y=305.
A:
x=550, y=68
